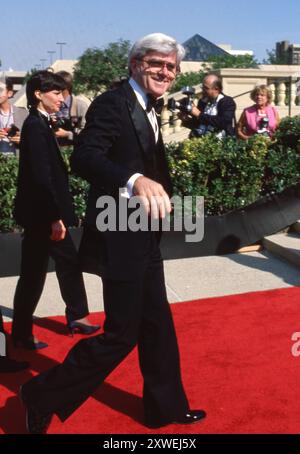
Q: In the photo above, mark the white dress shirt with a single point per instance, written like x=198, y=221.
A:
x=143, y=100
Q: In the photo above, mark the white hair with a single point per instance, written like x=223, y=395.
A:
x=157, y=42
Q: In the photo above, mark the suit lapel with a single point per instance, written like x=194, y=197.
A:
x=140, y=121
x=52, y=137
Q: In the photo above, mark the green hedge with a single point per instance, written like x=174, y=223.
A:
x=230, y=174
x=8, y=178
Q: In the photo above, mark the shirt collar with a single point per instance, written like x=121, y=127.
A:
x=43, y=112
x=216, y=100
x=139, y=92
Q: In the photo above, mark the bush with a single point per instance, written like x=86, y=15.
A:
x=230, y=174
x=288, y=133
x=8, y=178
x=78, y=187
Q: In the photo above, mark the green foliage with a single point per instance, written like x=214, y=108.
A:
x=29, y=73
x=228, y=173
x=187, y=79
x=283, y=168
x=78, y=186
x=216, y=62
x=98, y=68
x=8, y=178
x=288, y=134
x=232, y=61
x=273, y=59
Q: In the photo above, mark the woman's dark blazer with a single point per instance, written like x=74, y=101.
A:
x=43, y=194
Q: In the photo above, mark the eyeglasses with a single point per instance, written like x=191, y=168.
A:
x=160, y=64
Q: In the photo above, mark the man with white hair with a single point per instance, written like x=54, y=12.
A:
x=121, y=148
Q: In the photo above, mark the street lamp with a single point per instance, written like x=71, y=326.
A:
x=43, y=62
x=51, y=52
x=60, y=44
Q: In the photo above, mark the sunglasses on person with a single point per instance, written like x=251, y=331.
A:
x=158, y=65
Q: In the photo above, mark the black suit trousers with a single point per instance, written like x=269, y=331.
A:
x=36, y=250
x=137, y=313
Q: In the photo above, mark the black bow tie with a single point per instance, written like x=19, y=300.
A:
x=154, y=103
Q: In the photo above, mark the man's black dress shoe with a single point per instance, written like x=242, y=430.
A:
x=29, y=344
x=36, y=423
x=191, y=417
x=8, y=365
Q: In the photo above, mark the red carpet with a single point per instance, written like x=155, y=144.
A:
x=236, y=364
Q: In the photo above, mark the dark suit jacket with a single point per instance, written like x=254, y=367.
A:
x=42, y=188
x=117, y=142
x=224, y=120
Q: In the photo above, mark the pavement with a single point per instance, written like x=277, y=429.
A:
x=186, y=279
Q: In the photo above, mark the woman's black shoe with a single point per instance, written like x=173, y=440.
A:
x=29, y=344
x=82, y=328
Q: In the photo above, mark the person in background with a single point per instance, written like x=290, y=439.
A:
x=7, y=364
x=214, y=113
x=44, y=208
x=121, y=148
x=11, y=119
x=261, y=118
x=70, y=119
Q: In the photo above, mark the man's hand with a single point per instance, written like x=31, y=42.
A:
x=58, y=231
x=195, y=112
x=153, y=196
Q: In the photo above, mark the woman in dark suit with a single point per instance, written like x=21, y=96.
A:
x=44, y=208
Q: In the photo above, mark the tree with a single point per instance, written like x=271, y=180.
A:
x=29, y=74
x=274, y=59
x=98, y=68
x=187, y=79
x=214, y=63
x=232, y=61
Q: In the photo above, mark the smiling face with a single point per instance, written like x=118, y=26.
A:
x=49, y=101
x=261, y=98
x=5, y=94
x=155, y=72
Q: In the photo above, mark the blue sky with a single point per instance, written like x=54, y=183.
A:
x=30, y=29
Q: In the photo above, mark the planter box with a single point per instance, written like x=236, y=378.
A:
x=227, y=233
x=10, y=252
x=222, y=234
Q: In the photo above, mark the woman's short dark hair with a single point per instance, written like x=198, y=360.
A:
x=43, y=81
